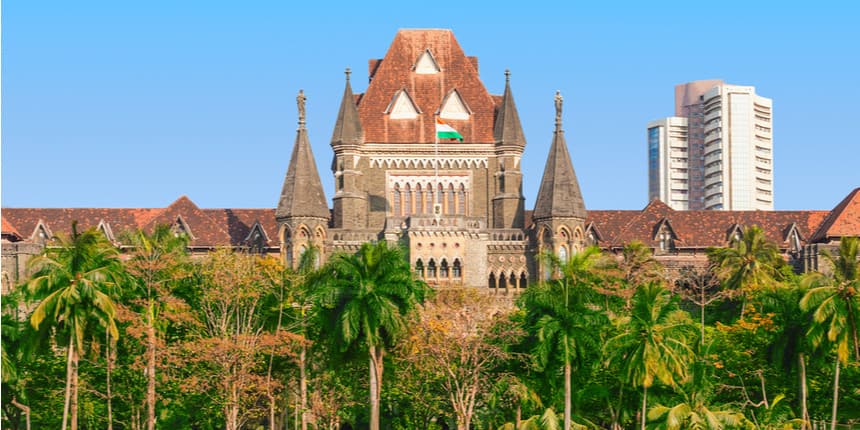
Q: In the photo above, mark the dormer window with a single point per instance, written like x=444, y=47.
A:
x=402, y=106
x=453, y=107
x=665, y=236
x=426, y=64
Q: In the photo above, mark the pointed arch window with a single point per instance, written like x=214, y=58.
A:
x=407, y=200
x=457, y=270
x=461, y=203
x=452, y=205
x=419, y=268
x=524, y=280
x=431, y=269
x=443, y=269
x=395, y=198
x=503, y=280
x=491, y=281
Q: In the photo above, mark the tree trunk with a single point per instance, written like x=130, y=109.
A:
x=835, y=394
x=567, y=396
x=110, y=355
x=644, y=404
x=24, y=409
x=68, y=396
x=804, y=412
x=150, y=371
x=73, y=404
x=519, y=417
x=303, y=387
x=702, y=317
x=374, y=393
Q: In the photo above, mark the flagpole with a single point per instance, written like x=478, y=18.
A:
x=437, y=210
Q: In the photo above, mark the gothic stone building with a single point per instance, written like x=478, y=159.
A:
x=457, y=206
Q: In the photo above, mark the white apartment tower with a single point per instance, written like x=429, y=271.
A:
x=716, y=153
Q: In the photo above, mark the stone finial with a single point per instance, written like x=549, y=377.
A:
x=558, y=104
x=300, y=101
x=347, y=72
x=507, y=76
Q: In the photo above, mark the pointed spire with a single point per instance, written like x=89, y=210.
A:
x=302, y=194
x=508, y=129
x=347, y=128
x=559, y=194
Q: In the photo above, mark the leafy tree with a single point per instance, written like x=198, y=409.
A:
x=654, y=342
x=155, y=262
x=560, y=316
x=366, y=299
x=71, y=281
x=748, y=265
x=835, y=305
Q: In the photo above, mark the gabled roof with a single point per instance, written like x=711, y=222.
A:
x=8, y=231
x=395, y=72
x=559, y=194
x=698, y=229
x=843, y=220
x=202, y=229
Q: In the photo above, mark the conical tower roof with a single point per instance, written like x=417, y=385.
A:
x=508, y=129
x=559, y=194
x=347, y=129
x=302, y=194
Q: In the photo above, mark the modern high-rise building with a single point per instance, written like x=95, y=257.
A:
x=716, y=152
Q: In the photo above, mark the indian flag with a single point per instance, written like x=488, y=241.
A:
x=445, y=131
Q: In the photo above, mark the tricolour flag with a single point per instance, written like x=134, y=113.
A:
x=445, y=131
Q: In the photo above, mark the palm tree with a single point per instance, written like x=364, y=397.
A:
x=653, y=343
x=749, y=264
x=367, y=297
x=72, y=281
x=155, y=261
x=561, y=318
x=835, y=305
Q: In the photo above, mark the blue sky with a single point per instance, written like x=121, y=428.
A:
x=134, y=103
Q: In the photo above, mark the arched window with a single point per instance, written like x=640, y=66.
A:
x=457, y=270
x=491, y=281
x=443, y=269
x=407, y=201
x=562, y=254
x=396, y=210
x=503, y=280
x=430, y=195
x=513, y=280
x=419, y=200
x=524, y=280
x=461, y=207
x=440, y=194
x=451, y=204
x=431, y=269
x=419, y=268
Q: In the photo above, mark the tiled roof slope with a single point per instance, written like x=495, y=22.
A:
x=8, y=229
x=395, y=72
x=208, y=227
x=699, y=229
x=843, y=220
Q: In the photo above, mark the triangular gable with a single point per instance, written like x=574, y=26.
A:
x=734, y=233
x=593, y=233
x=41, y=233
x=791, y=235
x=256, y=229
x=402, y=106
x=426, y=64
x=453, y=107
x=104, y=227
x=664, y=226
x=180, y=227
x=843, y=220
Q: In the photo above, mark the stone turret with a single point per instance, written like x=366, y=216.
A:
x=302, y=213
x=559, y=212
x=350, y=199
x=508, y=201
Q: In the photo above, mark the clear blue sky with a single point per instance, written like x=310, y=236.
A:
x=134, y=103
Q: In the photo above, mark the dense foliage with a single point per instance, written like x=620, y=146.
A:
x=152, y=338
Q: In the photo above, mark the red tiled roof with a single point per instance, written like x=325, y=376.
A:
x=843, y=220
x=239, y=223
x=698, y=229
x=60, y=220
x=204, y=230
x=395, y=72
x=7, y=228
